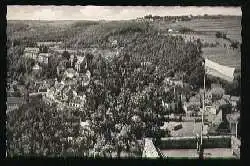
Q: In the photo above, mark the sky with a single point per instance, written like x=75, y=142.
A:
x=29, y=12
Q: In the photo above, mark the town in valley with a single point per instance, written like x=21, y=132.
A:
x=153, y=86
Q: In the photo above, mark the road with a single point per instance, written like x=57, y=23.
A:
x=192, y=153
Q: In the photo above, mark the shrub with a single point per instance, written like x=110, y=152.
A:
x=186, y=30
x=235, y=44
x=221, y=35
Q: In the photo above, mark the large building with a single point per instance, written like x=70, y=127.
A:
x=14, y=103
x=51, y=44
x=31, y=52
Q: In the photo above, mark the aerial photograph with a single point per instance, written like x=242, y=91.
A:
x=123, y=82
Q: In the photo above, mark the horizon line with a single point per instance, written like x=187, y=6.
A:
x=219, y=15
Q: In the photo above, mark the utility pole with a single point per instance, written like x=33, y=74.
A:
x=202, y=116
x=64, y=45
x=236, y=128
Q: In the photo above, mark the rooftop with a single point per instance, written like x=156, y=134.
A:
x=220, y=102
x=226, y=97
x=15, y=100
x=36, y=67
x=32, y=49
x=44, y=54
x=235, y=98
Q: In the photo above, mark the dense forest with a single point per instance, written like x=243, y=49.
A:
x=139, y=39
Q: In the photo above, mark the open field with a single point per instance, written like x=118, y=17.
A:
x=188, y=129
x=205, y=30
x=228, y=25
x=223, y=56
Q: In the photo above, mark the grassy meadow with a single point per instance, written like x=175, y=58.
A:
x=206, y=28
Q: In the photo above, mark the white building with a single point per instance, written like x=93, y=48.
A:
x=211, y=110
x=31, y=52
x=170, y=30
x=36, y=67
x=36, y=70
x=85, y=78
x=234, y=100
x=114, y=43
x=70, y=73
x=43, y=58
x=172, y=81
x=48, y=43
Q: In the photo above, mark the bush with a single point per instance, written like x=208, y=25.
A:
x=221, y=35
x=217, y=93
x=185, y=30
x=234, y=44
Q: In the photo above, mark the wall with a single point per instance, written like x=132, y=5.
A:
x=149, y=150
x=235, y=144
x=190, y=142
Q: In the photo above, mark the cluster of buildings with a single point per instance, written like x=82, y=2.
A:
x=72, y=72
x=36, y=54
x=64, y=96
x=212, y=106
x=172, y=81
x=64, y=93
x=14, y=103
x=14, y=96
x=165, y=18
x=216, y=109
